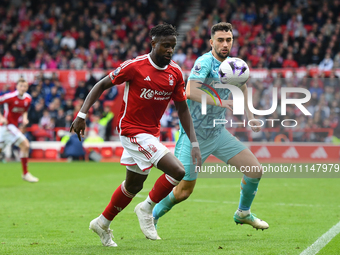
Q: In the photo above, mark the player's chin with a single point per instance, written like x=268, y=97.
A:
x=166, y=62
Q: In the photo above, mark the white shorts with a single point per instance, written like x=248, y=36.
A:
x=10, y=134
x=142, y=152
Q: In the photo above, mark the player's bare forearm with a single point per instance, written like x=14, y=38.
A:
x=186, y=121
x=25, y=120
x=95, y=93
x=194, y=93
x=249, y=114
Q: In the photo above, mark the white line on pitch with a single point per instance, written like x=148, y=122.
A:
x=322, y=241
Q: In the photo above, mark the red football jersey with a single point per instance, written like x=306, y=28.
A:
x=148, y=90
x=15, y=106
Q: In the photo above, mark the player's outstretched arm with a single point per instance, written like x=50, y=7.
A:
x=3, y=120
x=256, y=125
x=78, y=124
x=194, y=92
x=186, y=121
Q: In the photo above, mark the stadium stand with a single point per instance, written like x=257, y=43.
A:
x=52, y=39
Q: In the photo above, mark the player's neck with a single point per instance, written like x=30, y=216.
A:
x=217, y=57
x=154, y=60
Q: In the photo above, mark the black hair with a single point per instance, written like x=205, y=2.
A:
x=222, y=26
x=163, y=30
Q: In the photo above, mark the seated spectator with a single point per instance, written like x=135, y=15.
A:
x=189, y=60
x=60, y=120
x=111, y=94
x=179, y=57
x=326, y=64
x=289, y=62
x=45, y=121
x=35, y=113
x=68, y=42
x=81, y=91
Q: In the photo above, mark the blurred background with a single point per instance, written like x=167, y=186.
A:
x=62, y=48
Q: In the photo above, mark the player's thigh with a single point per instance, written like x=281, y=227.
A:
x=171, y=166
x=12, y=135
x=247, y=163
x=183, y=153
x=143, y=150
x=227, y=146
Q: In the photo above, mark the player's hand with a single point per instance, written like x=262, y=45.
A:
x=227, y=104
x=256, y=125
x=196, y=156
x=78, y=125
x=25, y=122
x=3, y=121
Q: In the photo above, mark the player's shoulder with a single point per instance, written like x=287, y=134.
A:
x=135, y=61
x=206, y=58
x=9, y=95
x=175, y=66
x=26, y=95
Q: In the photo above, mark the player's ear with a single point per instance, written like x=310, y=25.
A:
x=211, y=42
x=153, y=43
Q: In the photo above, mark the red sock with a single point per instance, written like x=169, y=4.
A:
x=119, y=200
x=163, y=186
x=24, y=165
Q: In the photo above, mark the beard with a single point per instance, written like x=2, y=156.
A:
x=162, y=61
x=223, y=56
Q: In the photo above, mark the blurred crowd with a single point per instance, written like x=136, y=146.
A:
x=79, y=34
x=270, y=34
x=102, y=34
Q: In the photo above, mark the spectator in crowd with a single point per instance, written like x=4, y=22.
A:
x=81, y=91
x=326, y=64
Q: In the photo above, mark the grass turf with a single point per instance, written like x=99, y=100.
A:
x=52, y=216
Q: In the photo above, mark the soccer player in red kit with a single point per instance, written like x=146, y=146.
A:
x=152, y=80
x=16, y=105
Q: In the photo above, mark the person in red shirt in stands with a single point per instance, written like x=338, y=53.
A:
x=290, y=62
x=16, y=105
x=151, y=81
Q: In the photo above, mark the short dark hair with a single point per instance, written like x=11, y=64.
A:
x=21, y=79
x=163, y=30
x=222, y=26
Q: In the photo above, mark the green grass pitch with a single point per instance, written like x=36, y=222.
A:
x=52, y=216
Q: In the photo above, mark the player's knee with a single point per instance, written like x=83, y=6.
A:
x=256, y=172
x=134, y=188
x=25, y=145
x=179, y=173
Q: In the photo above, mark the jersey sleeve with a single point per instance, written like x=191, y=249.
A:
x=179, y=94
x=125, y=72
x=201, y=69
x=4, y=99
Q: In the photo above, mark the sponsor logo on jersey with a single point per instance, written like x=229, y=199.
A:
x=147, y=78
x=18, y=109
x=155, y=94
